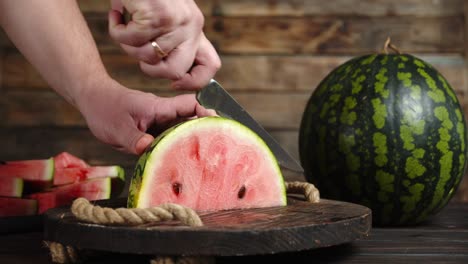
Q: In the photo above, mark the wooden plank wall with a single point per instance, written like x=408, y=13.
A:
x=274, y=53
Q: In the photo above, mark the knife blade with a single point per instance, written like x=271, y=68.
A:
x=214, y=96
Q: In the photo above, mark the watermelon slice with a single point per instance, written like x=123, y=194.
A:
x=67, y=160
x=11, y=186
x=95, y=189
x=29, y=170
x=72, y=175
x=208, y=164
x=17, y=206
x=45, y=201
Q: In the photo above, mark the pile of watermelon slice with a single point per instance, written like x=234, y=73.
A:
x=30, y=187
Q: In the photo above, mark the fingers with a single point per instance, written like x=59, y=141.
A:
x=169, y=111
x=181, y=106
x=207, y=63
x=117, y=5
x=146, y=53
x=133, y=34
x=176, y=20
x=143, y=143
x=186, y=105
x=130, y=139
x=177, y=29
x=202, y=111
x=175, y=65
x=129, y=131
x=189, y=71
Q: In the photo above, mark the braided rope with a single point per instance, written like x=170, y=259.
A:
x=61, y=253
x=310, y=192
x=85, y=211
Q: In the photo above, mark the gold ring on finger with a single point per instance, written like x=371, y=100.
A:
x=157, y=49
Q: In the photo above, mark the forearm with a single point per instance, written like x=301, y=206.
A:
x=55, y=38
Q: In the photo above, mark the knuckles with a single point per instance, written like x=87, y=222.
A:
x=198, y=20
x=217, y=64
x=175, y=75
x=171, y=74
x=170, y=16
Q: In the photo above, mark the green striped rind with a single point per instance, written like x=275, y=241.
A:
x=135, y=183
x=119, y=173
x=108, y=188
x=141, y=171
x=386, y=131
x=19, y=187
x=118, y=181
x=14, y=186
x=49, y=169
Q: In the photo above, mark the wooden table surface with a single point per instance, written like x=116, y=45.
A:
x=442, y=240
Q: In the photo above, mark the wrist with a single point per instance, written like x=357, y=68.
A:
x=91, y=91
x=76, y=82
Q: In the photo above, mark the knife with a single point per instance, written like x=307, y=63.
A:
x=214, y=96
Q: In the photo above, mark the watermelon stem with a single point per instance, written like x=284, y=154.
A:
x=388, y=44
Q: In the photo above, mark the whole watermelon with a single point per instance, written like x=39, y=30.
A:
x=385, y=131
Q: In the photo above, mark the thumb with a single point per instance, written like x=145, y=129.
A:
x=133, y=140
x=143, y=143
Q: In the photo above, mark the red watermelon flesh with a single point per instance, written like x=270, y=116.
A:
x=67, y=160
x=17, y=207
x=11, y=186
x=36, y=178
x=29, y=170
x=71, y=175
x=94, y=189
x=208, y=164
x=45, y=201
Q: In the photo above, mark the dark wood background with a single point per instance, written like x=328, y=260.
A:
x=274, y=53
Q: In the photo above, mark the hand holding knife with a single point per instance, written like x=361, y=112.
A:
x=214, y=96
x=168, y=44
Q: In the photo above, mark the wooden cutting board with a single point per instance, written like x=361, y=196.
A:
x=298, y=226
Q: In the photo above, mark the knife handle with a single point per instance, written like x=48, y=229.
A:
x=205, y=92
x=127, y=17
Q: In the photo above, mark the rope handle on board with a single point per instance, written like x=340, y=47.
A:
x=85, y=211
x=88, y=212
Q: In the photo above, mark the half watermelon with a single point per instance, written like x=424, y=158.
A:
x=208, y=164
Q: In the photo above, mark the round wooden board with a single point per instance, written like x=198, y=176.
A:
x=298, y=226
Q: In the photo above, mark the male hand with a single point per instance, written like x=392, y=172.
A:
x=120, y=116
x=176, y=27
